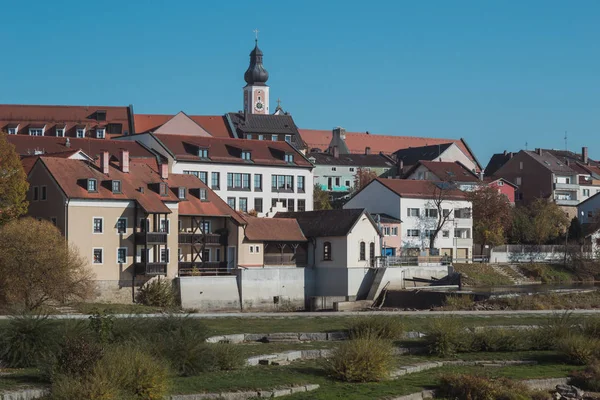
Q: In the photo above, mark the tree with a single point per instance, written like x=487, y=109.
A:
x=38, y=265
x=547, y=220
x=441, y=194
x=492, y=216
x=575, y=231
x=321, y=198
x=13, y=183
x=363, y=177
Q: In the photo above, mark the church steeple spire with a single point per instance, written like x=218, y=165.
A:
x=256, y=92
x=256, y=74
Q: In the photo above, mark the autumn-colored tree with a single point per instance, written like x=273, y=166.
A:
x=37, y=265
x=321, y=198
x=363, y=177
x=539, y=222
x=13, y=182
x=492, y=216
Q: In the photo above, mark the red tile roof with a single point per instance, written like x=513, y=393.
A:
x=29, y=145
x=388, y=144
x=228, y=151
x=273, y=229
x=27, y=116
x=419, y=189
x=216, y=125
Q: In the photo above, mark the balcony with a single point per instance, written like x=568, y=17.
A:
x=151, y=268
x=151, y=237
x=200, y=268
x=463, y=242
x=285, y=259
x=197, y=238
x=566, y=186
x=566, y=202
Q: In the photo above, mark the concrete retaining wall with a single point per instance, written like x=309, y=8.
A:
x=209, y=292
x=272, y=288
x=250, y=394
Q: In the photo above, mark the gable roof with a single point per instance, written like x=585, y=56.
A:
x=571, y=156
x=215, y=125
x=491, y=179
x=266, y=124
x=550, y=162
x=413, y=155
x=273, y=230
x=228, y=151
x=448, y=171
x=117, y=120
x=496, y=162
x=323, y=223
x=353, y=160
x=418, y=189
x=181, y=123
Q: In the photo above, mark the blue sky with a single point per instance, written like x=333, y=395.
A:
x=497, y=73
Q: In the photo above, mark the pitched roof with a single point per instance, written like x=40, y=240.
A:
x=228, y=151
x=356, y=160
x=273, y=230
x=116, y=120
x=491, y=179
x=413, y=155
x=357, y=142
x=30, y=145
x=419, y=189
x=550, y=162
x=496, y=162
x=386, y=218
x=216, y=125
x=324, y=223
x=570, y=155
x=450, y=171
x=264, y=123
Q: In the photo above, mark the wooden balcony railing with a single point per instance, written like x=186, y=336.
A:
x=194, y=238
x=200, y=268
x=151, y=268
x=151, y=237
x=285, y=259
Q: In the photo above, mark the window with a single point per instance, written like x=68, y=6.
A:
x=180, y=226
x=36, y=193
x=215, y=180
x=243, y=204
x=347, y=183
x=238, y=181
x=288, y=138
x=203, y=194
x=217, y=255
x=165, y=226
x=203, y=153
x=12, y=131
x=290, y=205
x=144, y=225
x=121, y=255
x=257, y=249
x=205, y=227
x=251, y=249
x=249, y=136
x=371, y=251
x=258, y=205
x=92, y=185
x=53, y=220
x=590, y=214
x=301, y=205
x=181, y=193
x=327, y=251
x=261, y=137
x=413, y=233
x=282, y=183
x=97, y=256
x=44, y=194
x=431, y=213
x=413, y=212
x=116, y=186
x=363, y=251
x=300, y=184
x=289, y=158
x=258, y=182
x=337, y=181
x=333, y=168
x=274, y=138
x=395, y=231
x=446, y=234
x=164, y=255
x=121, y=225
x=203, y=176
x=60, y=132
x=351, y=169
x=36, y=132
x=80, y=133
x=446, y=213
x=586, y=192
x=163, y=189
x=246, y=155
x=518, y=180
x=98, y=224
x=206, y=255
x=462, y=213
x=195, y=173
x=231, y=202
x=520, y=165
x=500, y=183
x=386, y=231
x=100, y=133
x=429, y=233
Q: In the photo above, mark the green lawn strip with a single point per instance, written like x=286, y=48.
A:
x=20, y=379
x=481, y=275
x=548, y=273
x=113, y=308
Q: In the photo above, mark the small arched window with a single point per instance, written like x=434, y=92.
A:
x=372, y=251
x=327, y=251
x=363, y=252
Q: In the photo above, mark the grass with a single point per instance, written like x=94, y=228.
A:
x=481, y=275
x=19, y=379
x=549, y=301
x=114, y=308
x=549, y=273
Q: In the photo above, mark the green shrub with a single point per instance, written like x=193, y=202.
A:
x=101, y=325
x=552, y=331
x=361, y=360
x=26, y=340
x=589, y=378
x=376, y=327
x=445, y=337
x=227, y=356
x=498, y=339
x=94, y=387
x=157, y=293
x=474, y=387
x=591, y=327
x=78, y=356
x=579, y=349
x=458, y=302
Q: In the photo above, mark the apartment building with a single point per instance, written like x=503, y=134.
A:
x=414, y=203
x=250, y=175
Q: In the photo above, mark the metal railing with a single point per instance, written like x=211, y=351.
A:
x=204, y=269
x=151, y=268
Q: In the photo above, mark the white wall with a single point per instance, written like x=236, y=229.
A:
x=259, y=286
x=363, y=231
x=454, y=153
x=376, y=198
x=209, y=292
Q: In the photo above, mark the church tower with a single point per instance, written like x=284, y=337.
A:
x=256, y=92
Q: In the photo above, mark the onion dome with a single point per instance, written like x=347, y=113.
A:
x=256, y=74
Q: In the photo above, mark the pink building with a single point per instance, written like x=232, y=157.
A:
x=505, y=187
x=392, y=240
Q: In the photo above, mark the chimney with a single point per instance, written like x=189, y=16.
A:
x=504, y=152
x=164, y=170
x=68, y=143
x=584, y=155
x=104, y=157
x=511, y=154
x=539, y=151
x=339, y=133
x=125, y=161
x=336, y=152
x=367, y=150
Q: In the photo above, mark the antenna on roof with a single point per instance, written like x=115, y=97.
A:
x=566, y=148
x=525, y=145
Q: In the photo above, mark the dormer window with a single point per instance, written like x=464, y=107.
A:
x=246, y=155
x=203, y=194
x=12, y=131
x=101, y=115
x=203, y=153
x=100, y=133
x=116, y=186
x=36, y=132
x=163, y=189
x=60, y=132
x=249, y=136
x=289, y=158
x=92, y=185
x=181, y=193
x=80, y=132
x=288, y=138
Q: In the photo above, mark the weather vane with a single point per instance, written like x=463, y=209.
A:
x=256, y=34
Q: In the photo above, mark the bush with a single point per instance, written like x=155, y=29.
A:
x=78, y=356
x=157, y=293
x=361, y=360
x=473, y=387
x=227, y=356
x=579, y=349
x=66, y=387
x=497, y=339
x=459, y=302
x=589, y=378
x=376, y=327
x=445, y=337
x=550, y=333
x=591, y=327
x=27, y=340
